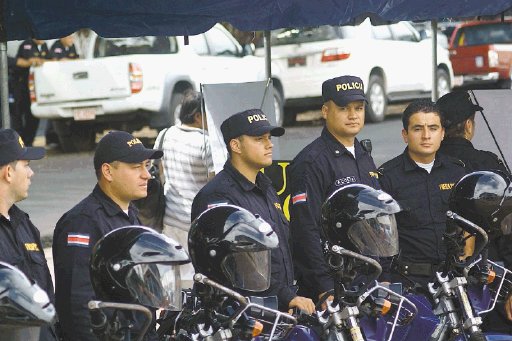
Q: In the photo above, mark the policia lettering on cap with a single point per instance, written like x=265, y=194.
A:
x=333, y=160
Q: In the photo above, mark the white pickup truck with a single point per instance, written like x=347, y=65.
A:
x=129, y=83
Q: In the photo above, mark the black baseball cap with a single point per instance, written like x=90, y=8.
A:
x=122, y=146
x=343, y=90
x=252, y=122
x=456, y=107
x=13, y=148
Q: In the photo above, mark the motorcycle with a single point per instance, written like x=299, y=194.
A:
x=459, y=294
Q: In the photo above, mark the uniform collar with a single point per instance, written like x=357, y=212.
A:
x=261, y=180
x=455, y=140
x=410, y=164
x=111, y=208
x=336, y=148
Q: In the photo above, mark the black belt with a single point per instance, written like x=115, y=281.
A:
x=416, y=269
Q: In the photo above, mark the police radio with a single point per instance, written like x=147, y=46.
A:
x=367, y=145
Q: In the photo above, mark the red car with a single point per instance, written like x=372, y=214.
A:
x=481, y=54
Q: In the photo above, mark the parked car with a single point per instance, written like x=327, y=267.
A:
x=129, y=83
x=392, y=60
x=481, y=53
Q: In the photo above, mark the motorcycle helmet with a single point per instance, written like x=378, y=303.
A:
x=361, y=219
x=231, y=246
x=484, y=198
x=22, y=302
x=135, y=264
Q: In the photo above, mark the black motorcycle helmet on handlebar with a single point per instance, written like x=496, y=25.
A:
x=232, y=246
x=360, y=218
x=24, y=306
x=135, y=264
x=484, y=198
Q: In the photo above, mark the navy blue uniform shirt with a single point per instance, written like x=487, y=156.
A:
x=75, y=235
x=59, y=51
x=28, y=49
x=20, y=245
x=231, y=187
x=316, y=172
x=424, y=200
x=474, y=159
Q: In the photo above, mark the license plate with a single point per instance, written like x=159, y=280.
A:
x=296, y=61
x=85, y=113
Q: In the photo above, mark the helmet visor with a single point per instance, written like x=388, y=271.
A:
x=248, y=270
x=375, y=236
x=156, y=285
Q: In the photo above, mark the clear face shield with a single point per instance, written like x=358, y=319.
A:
x=156, y=285
x=375, y=236
x=248, y=270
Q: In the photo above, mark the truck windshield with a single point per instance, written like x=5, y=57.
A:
x=498, y=33
x=108, y=47
x=289, y=36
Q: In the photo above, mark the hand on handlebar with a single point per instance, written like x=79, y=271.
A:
x=302, y=303
x=508, y=307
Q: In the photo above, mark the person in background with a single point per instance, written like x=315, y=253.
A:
x=32, y=52
x=20, y=241
x=120, y=163
x=187, y=165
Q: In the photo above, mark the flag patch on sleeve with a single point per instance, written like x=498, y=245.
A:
x=298, y=198
x=78, y=239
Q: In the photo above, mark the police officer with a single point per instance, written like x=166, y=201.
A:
x=333, y=160
x=32, y=52
x=459, y=113
x=120, y=162
x=64, y=48
x=420, y=179
x=20, y=243
x=247, y=136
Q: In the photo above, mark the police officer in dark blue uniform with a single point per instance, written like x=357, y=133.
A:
x=64, y=48
x=247, y=136
x=459, y=113
x=32, y=52
x=120, y=162
x=420, y=179
x=20, y=243
x=333, y=160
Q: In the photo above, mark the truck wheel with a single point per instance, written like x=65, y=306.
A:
x=75, y=137
x=443, y=82
x=377, y=102
x=175, y=106
x=279, y=108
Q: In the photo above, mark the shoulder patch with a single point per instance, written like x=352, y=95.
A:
x=78, y=239
x=299, y=198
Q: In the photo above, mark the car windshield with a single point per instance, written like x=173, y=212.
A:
x=499, y=33
x=287, y=36
x=108, y=47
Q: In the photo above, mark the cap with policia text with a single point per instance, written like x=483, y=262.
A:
x=12, y=148
x=343, y=90
x=252, y=122
x=122, y=146
x=456, y=107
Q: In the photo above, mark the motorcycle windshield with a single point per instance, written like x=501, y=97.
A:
x=248, y=270
x=375, y=236
x=156, y=285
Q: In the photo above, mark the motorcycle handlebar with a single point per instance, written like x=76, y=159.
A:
x=95, y=308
